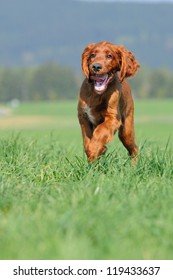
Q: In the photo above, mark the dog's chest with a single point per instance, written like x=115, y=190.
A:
x=87, y=110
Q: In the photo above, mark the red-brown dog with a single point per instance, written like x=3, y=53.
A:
x=105, y=103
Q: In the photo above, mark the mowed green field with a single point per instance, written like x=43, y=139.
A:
x=55, y=205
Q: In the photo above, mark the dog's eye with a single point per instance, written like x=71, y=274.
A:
x=92, y=55
x=109, y=56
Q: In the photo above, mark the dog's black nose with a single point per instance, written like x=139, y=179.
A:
x=97, y=67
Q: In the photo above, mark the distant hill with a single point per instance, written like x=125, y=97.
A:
x=34, y=32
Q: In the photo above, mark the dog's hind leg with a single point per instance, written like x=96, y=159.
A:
x=127, y=136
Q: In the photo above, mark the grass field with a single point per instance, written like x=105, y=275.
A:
x=54, y=205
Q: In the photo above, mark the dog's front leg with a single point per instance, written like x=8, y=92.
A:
x=87, y=131
x=102, y=135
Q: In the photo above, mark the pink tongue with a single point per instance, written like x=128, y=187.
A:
x=99, y=79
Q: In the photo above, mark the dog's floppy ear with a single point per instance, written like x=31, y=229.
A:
x=128, y=65
x=85, y=56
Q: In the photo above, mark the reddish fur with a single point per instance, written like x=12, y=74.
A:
x=113, y=109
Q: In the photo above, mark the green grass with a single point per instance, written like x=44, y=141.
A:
x=46, y=108
x=55, y=205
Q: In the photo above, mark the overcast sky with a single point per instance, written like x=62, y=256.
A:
x=165, y=1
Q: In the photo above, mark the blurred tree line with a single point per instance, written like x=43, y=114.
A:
x=157, y=83
x=53, y=82
x=46, y=82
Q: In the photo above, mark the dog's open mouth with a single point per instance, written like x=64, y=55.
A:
x=100, y=82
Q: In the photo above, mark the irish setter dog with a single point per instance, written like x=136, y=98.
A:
x=105, y=102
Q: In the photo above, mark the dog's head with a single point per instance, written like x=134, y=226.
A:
x=101, y=61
